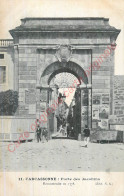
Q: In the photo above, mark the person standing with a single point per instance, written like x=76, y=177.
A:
x=62, y=130
x=38, y=133
x=86, y=135
x=68, y=130
x=44, y=135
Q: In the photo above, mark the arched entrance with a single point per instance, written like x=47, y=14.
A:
x=58, y=67
x=65, y=88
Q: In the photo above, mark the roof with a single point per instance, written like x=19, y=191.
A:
x=86, y=24
x=64, y=18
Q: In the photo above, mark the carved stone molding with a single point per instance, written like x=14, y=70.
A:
x=64, y=53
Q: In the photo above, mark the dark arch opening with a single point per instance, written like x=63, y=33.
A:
x=70, y=67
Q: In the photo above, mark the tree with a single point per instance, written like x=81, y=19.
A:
x=8, y=102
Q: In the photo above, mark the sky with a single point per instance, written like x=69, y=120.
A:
x=11, y=11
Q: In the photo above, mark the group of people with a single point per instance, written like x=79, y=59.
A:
x=41, y=134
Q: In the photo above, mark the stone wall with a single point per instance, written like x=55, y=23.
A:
x=102, y=85
x=27, y=79
x=12, y=127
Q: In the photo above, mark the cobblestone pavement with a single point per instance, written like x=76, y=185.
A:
x=62, y=155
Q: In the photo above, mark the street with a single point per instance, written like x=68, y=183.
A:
x=62, y=155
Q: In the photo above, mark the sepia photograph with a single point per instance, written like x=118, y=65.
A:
x=61, y=88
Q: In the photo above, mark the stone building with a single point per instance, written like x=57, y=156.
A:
x=40, y=49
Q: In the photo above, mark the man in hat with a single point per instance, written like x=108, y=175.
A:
x=38, y=133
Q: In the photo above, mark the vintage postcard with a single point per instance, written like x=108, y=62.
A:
x=62, y=97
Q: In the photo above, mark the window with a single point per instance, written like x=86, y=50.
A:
x=1, y=56
x=2, y=74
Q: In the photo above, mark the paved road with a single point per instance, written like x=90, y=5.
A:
x=63, y=155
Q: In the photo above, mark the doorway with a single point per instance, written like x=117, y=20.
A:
x=66, y=119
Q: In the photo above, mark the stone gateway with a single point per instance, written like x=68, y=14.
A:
x=80, y=51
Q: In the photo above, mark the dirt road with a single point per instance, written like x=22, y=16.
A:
x=62, y=155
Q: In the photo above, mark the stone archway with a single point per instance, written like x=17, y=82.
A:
x=45, y=90
x=70, y=66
